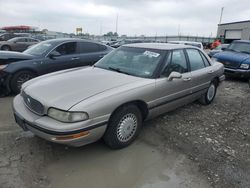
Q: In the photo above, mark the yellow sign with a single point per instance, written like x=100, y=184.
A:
x=78, y=30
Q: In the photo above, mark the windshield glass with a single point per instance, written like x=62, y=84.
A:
x=39, y=49
x=239, y=47
x=133, y=61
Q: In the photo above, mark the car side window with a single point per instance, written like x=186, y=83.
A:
x=195, y=59
x=205, y=59
x=66, y=48
x=176, y=63
x=22, y=40
x=87, y=47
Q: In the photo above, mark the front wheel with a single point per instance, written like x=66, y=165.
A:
x=209, y=96
x=123, y=128
x=6, y=48
x=18, y=79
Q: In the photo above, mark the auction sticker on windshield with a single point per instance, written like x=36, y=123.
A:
x=151, y=54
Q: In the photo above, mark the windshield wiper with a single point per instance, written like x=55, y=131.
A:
x=118, y=70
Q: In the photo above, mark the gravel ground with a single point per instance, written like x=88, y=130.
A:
x=215, y=137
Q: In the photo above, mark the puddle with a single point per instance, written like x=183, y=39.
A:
x=138, y=166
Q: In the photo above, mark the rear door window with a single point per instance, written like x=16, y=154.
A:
x=195, y=59
x=205, y=59
x=88, y=47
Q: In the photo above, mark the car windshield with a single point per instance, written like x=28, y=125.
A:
x=39, y=49
x=133, y=61
x=239, y=47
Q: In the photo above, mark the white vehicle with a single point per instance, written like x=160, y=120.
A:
x=191, y=43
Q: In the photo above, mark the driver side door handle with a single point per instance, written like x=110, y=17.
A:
x=186, y=79
x=75, y=58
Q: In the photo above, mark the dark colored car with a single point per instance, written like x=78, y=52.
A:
x=45, y=57
x=218, y=49
x=236, y=59
x=17, y=44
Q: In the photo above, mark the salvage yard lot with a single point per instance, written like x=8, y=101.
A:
x=214, y=140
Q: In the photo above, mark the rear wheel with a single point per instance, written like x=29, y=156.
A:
x=123, y=128
x=6, y=48
x=18, y=79
x=209, y=96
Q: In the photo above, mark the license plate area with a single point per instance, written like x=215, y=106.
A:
x=21, y=122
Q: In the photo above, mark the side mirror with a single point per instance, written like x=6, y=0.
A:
x=174, y=75
x=54, y=54
x=223, y=48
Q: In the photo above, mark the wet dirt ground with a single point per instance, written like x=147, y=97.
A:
x=193, y=146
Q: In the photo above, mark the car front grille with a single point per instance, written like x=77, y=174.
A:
x=232, y=65
x=34, y=105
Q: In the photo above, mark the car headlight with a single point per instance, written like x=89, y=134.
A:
x=3, y=67
x=244, y=66
x=67, y=117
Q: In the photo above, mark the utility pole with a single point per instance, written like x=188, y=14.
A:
x=116, y=23
x=221, y=14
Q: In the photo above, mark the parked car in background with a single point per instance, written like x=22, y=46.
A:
x=218, y=49
x=7, y=36
x=111, y=99
x=17, y=44
x=190, y=43
x=126, y=41
x=45, y=57
x=109, y=43
x=236, y=59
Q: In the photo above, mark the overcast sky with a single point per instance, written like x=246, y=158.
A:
x=135, y=17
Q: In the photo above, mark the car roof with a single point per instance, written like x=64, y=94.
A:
x=159, y=46
x=23, y=38
x=60, y=40
x=182, y=41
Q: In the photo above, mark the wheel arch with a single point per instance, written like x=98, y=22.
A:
x=142, y=106
x=7, y=46
x=216, y=80
x=24, y=69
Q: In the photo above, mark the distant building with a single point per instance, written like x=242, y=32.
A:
x=20, y=29
x=234, y=31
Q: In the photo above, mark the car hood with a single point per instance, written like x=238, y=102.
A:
x=7, y=57
x=228, y=56
x=67, y=88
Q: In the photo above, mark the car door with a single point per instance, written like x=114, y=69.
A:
x=90, y=53
x=30, y=42
x=62, y=57
x=172, y=93
x=21, y=44
x=201, y=70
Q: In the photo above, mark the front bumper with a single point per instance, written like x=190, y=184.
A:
x=237, y=72
x=58, y=132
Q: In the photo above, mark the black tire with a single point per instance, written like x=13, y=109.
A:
x=18, y=79
x=112, y=136
x=207, y=98
x=6, y=48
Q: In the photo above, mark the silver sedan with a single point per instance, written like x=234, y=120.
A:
x=111, y=99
